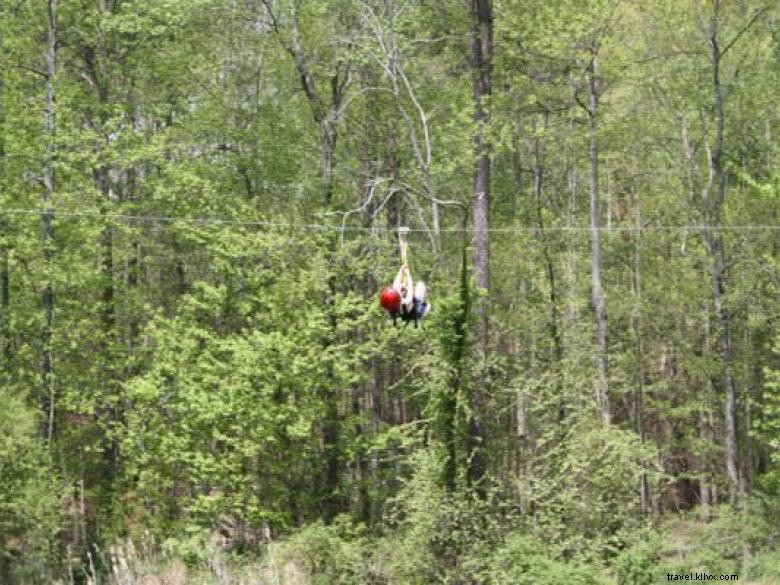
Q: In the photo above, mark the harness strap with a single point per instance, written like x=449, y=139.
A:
x=403, y=282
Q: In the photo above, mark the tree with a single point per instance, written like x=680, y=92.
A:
x=597, y=293
x=326, y=112
x=482, y=64
x=713, y=199
x=47, y=217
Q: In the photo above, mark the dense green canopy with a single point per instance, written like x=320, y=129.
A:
x=199, y=203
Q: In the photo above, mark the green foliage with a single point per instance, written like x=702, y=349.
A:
x=433, y=536
x=29, y=496
x=718, y=546
x=588, y=496
x=227, y=390
x=418, y=520
x=639, y=563
x=524, y=560
x=222, y=371
x=452, y=385
x=330, y=554
x=764, y=567
x=769, y=425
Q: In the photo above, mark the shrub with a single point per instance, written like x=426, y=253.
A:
x=638, y=564
x=524, y=560
x=335, y=553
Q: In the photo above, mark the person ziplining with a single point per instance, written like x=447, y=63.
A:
x=404, y=299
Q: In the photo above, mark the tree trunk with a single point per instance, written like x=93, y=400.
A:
x=5, y=269
x=5, y=307
x=636, y=325
x=102, y=177
x=715, y=246
x=330, y=481
x=107, y=243
x=554, y=317
x=538, y=179
x=47, y=219
x=98, y=67
x=598, y=299
x=327, y=118
x=482, y=64
x=329, y=136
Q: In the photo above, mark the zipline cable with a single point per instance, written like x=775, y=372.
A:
x=210, y=220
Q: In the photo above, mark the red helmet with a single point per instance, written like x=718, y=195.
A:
x=390, y=299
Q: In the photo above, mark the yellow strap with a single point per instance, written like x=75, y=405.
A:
x=402, y=231
x=405, y=275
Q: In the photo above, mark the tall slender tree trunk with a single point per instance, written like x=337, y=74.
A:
x=707, y=487
x=330, y=479
x=5, y=309
x=554, y=318
x=712, y=207
x=47, y=218
x=636, y=325
x=107, y=243
x=707, y=493
x=5, y=268
x=538, y=183
x=329, y=136
x=598, y=298
x=98, y=64
x=98, y=67
x=482, y=63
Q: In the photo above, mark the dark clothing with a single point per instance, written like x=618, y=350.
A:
x=419, y=308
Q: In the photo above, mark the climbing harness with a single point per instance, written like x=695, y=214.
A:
x=403, y=298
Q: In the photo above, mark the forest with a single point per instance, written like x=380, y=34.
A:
x=201, y=200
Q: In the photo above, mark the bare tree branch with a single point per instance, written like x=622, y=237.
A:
x=760, y=12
